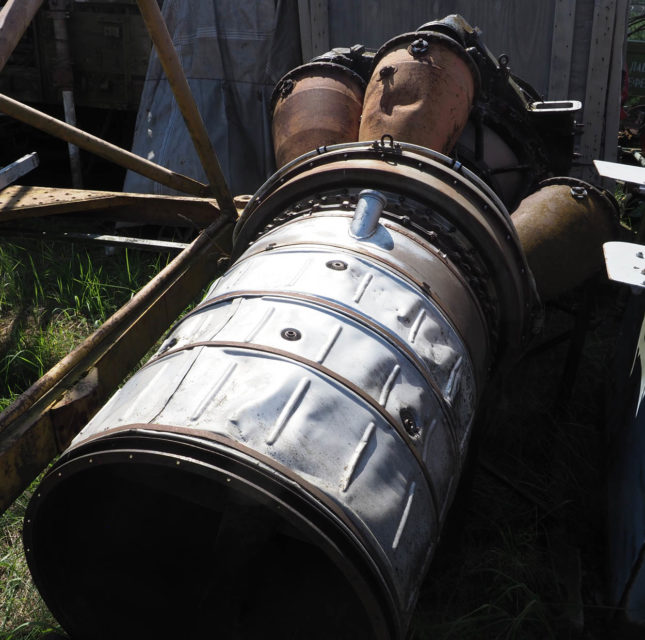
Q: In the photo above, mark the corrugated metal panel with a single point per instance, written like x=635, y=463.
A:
x=521, y=29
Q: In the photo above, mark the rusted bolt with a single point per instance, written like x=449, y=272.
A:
x=291, y=334
x=409, y=424
x=419, y=47
x=286, y=87
x=579, y=193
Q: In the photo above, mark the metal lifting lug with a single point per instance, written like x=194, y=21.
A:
x=419, y=47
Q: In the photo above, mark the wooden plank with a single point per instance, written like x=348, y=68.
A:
x=306, y=41
x=17, y=169
x=561, y=49
x=618, y=52
x=319, y=12
x=521, y=29
x=602, y=32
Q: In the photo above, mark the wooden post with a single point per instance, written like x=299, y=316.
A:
x=602, y=32
x=15, y=17
x=314, y=28
x=564, y=19
x=615, y=85
x=60, y=129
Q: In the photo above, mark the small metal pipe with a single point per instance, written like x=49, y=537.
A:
x=64, y=79
x=72, y=149
x=15, y=17
x=174, y=72
x=106, y=150
x=369, y=208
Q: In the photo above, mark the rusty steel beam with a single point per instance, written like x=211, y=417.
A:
x=87, y=141
x=19, y=203
x=174, y=72
x=44, y=419
x=15, y=17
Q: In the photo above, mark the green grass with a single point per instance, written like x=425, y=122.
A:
x=52, y=296
x=23, y=614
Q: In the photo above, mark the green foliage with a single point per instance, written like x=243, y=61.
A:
x=19, y=599
x=52, y=296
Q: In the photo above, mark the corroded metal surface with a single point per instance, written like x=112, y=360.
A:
x=316, y=105
x=24, y=202
x=421, y=91
x=562, y=228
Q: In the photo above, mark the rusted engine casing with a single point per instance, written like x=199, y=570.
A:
x=315, y=105
x=421, y=91
x=562, y=228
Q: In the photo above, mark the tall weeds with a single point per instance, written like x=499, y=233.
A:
x=51, y=297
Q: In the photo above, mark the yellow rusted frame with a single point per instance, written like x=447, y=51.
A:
x=19, y=203
x=43, y=420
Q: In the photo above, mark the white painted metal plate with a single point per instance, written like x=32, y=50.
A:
x=625, y=262
x=622, y=172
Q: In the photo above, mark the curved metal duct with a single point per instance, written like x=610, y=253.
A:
x=316, y=105
x=421, y=91
x=562, y=228
x=283, y=465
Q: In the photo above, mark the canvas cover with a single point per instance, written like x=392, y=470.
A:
x=233, y=53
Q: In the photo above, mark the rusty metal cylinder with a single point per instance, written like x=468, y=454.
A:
x=315, y=105
x=421, y=91
x=562, y=228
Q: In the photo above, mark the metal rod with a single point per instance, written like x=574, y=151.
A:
x=174, y=72
x=15, y=17
x=72, y=149
x=44, y=419
x=64, y=79
x=17, y=169
x=87, y=141
x=89, y=351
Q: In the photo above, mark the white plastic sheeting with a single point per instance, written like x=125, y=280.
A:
x=232, y=53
